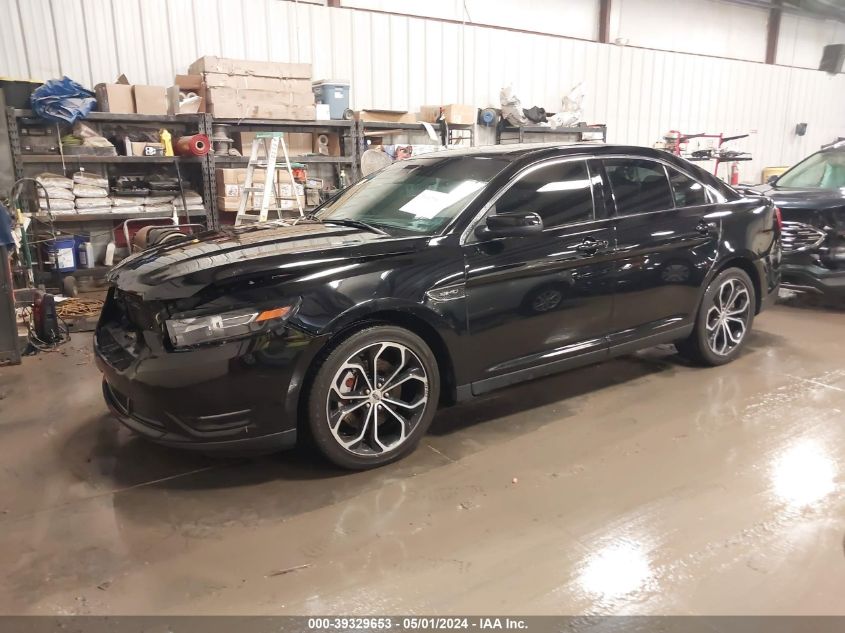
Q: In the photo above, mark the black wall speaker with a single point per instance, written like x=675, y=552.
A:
x=832, y=58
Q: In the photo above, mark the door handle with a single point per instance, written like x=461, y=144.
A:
x=705, y=228
x=591, y=246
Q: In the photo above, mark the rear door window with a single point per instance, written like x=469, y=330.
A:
x=687, y=192
x=638, y=185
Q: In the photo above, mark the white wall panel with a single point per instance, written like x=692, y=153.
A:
x=99, y=27
x=129, y=42
x=401, y=62
x=42, y=52
x=802, y=40
x=206, y=24
x=12, y=49
x=157, y=42
x=71, y=40
x=571, y=18
x=705, y=27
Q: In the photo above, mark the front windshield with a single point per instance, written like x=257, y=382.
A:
x=419, y=195
x=823, y=170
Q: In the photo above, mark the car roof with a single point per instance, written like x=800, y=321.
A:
x=521, y=154
x=516, y=151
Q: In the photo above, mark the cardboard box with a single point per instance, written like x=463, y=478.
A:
x=298, y=143
x=312, y=197
x=289, y=204
x=455, y=113
x=287, y=190
x=230, y=181
x=386, y=116
x=253, y=203
x=230, y=203
x=246, y=110
x=186, y=84
x=226, y=95
x=228, y=66
x=244, y=82
x=115, y=98
x=145, y=148
x=150, y=99
x=332, y=148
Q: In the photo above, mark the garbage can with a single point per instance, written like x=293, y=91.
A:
x=334, y=93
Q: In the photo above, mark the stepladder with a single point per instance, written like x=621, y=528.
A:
x=270, y=143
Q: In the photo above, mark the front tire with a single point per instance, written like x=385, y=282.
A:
x=373, y=397
x=724, y=319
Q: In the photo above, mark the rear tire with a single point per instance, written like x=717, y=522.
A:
x=373, y=397
x=724, y=319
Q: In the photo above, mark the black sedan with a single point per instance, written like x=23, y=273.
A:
x=811, y=196
x=434, y=280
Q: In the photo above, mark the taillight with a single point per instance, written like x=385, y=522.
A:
x=779, y=218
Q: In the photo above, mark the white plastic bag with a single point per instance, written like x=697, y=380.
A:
x=127, y=201
x=56, y=205
x=572, y=111
x=93, y=203
x=93, y=180
x=54, y=180
x=163, y=209
x=89, y=191
x=511, y=107
x=56, y=193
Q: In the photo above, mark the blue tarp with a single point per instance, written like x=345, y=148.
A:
x=62, y=100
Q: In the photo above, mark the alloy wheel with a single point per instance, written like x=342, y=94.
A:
x=727, y=318
x=546, y=300
x=377, y=398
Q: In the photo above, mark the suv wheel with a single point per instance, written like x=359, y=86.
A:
x=724, y=320
x=373, y=397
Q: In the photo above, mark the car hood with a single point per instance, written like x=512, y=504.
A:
x=810, y=199
x=180, y=270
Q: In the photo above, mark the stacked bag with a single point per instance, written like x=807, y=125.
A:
x=60, y=192
x=89, y=193
x=92, y=193
x=128, y=204
x=193, y=202
x=159, y=205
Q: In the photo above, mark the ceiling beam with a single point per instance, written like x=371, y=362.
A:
x=773, y=33
x=604, y=21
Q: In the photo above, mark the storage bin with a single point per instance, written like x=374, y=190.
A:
x=63, y=250
x=334, y=93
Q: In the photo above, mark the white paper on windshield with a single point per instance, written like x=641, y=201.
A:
x=429, y=203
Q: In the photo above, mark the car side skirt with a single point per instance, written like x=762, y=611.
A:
x=669, y=335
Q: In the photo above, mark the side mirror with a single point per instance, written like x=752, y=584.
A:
x=771, y=180
x=513, y=224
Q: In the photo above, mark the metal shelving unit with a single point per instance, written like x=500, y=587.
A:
x=198, y=169
x=383, y=128
x=347, y=131
x=70, y=218
x=306, y=158
x=107, y=160
x=193, y=123
x=520, y=134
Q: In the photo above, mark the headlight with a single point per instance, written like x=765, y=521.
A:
x=186, y=332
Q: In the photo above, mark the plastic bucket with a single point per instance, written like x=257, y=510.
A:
x=62, y=248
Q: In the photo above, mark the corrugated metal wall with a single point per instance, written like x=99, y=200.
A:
x=401, y=62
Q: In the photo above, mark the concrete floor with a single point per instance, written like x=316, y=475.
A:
x=638, y=486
